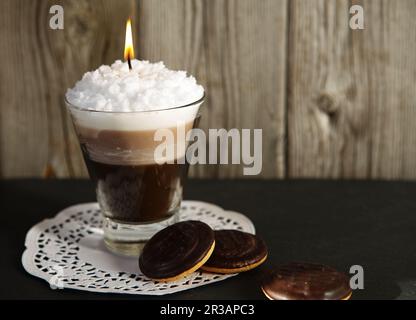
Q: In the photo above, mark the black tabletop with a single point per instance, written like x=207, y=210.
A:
x=339, y=223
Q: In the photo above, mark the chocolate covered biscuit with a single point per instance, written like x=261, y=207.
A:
x=235, y=251
x=306, y=281
x=177, y=251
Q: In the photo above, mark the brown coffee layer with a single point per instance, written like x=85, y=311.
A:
x=137, y=194
x=176, y=249
x=306, y=281
x=131, y=186
x=235, y=250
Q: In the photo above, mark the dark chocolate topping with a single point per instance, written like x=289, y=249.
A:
x=306, y=281
x=176, y=249
x=236, y=249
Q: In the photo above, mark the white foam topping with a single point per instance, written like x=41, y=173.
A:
x=148, y=86
x=144, y=98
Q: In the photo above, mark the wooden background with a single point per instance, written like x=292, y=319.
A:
x=332, y=102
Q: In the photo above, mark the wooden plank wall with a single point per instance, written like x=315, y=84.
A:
x=332, y=102
x=218, y=41
x=38, y=64
x=352, y=96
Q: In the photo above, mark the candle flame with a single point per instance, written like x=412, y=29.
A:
x=128, y=44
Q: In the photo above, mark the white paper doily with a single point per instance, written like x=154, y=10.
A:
x=68, y=252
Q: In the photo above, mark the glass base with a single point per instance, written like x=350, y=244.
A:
x=129, y=239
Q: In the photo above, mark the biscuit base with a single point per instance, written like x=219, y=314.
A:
x=234, y=270
x=189, y=271
x=347, y=297
x=270, y=298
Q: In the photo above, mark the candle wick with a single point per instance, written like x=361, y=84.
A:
x=129, y=62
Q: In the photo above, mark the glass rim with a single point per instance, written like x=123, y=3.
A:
x=71, y=105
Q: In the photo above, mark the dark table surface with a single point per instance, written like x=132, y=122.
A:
x=339, y=223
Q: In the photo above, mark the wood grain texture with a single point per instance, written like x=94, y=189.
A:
x=236, y=49
x=38, y=65
x=352, y=98
x=345, y=99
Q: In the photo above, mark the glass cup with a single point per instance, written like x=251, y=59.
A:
x=137, y=162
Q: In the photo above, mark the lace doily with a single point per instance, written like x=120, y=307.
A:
x=68, y=252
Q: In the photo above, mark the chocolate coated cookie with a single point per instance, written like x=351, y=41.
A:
x=306, y=281
x=235, y=251
x=177, y=251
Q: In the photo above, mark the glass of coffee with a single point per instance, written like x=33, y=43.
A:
x=138, y=175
